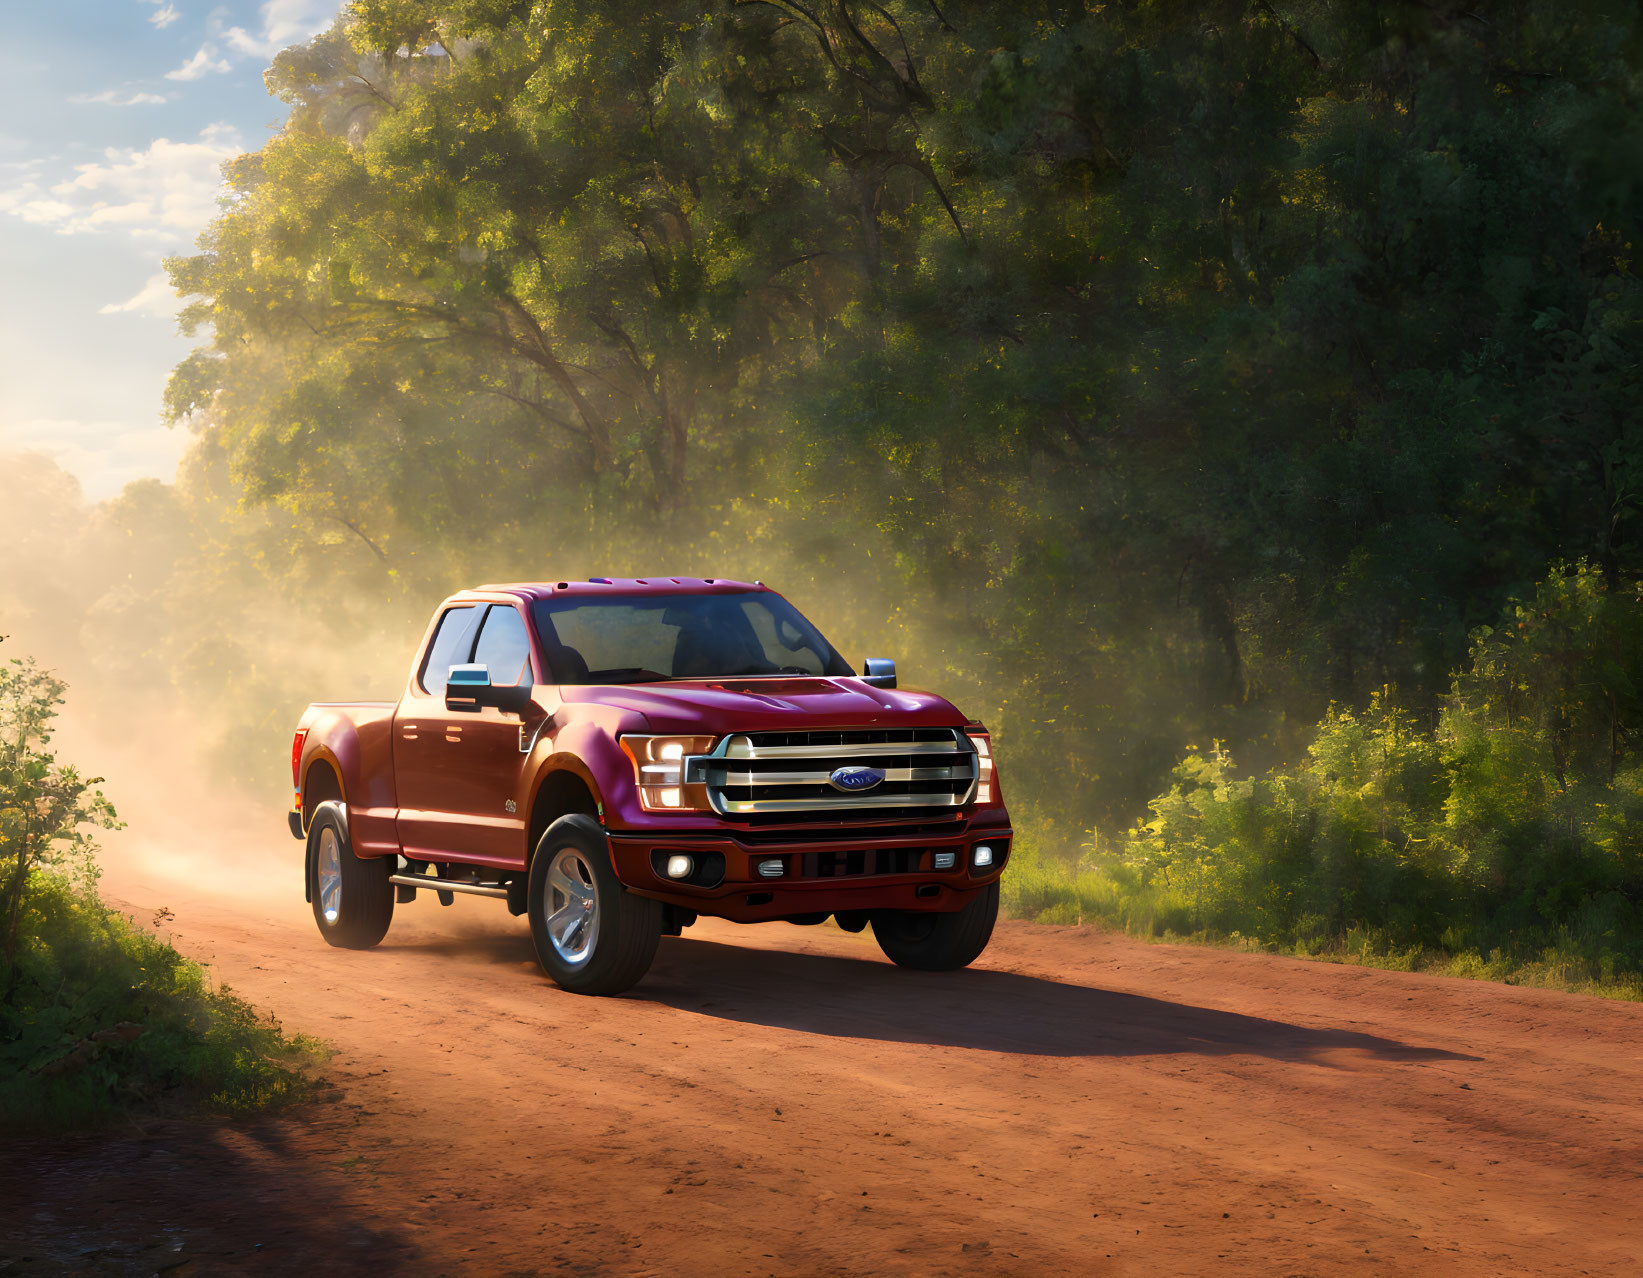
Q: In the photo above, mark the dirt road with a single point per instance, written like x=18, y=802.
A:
x=781, y=1100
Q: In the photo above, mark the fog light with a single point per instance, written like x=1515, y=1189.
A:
x=983, y=856
x=679, y=867
x=945, y=860
x=771, y=869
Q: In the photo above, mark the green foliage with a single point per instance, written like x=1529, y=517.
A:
x=69, y=1055
x=1142, y=374
x=98, y=1016
x=43, y=804
x=1507, y=828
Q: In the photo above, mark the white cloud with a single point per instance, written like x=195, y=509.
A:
x=108, y=97
x=105, y=455
x=164, y=16
x=163, y=194
x=155, y=298
x=284, y=23
x=204, y=62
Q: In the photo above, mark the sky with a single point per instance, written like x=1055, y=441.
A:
x=115, y=119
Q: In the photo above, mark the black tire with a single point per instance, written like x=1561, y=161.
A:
x=355, y=916
x=608, y=946
x=938, y=942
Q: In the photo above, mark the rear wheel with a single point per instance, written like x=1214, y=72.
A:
x=938, y=942
x=592, y=935
x=353, y=900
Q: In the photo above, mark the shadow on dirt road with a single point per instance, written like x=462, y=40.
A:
x=981, y=1010
x=191, y=1196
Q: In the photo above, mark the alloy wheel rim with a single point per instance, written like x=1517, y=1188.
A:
x=572, y=907
x=330, y=875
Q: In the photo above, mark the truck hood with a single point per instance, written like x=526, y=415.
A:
x=769, y=704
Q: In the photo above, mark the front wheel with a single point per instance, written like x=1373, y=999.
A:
x=592, y=935
x=938, y=942
x=353, y=900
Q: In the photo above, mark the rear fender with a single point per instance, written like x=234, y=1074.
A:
x=355, y=742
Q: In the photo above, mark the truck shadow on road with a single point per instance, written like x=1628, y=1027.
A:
x=978, y=1009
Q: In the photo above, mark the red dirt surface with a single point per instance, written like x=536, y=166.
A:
x=777, y=1099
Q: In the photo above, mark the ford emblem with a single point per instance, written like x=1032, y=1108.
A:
x=854, y=780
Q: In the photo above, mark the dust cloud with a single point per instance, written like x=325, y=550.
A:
x=185, y=677
x=192, y=629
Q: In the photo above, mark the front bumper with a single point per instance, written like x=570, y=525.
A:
x=823, y=872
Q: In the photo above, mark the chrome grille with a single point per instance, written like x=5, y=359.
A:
x=785, y=773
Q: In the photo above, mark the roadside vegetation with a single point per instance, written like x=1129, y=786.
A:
x=1501, y=838
x=98, y=1016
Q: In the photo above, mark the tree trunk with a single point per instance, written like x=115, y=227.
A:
x=14, y=910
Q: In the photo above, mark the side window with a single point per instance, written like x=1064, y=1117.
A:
x=505, y=648
x=453, y=641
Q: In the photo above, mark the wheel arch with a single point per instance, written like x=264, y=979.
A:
x=312, y=811
x=322, y=781
x=564, y=786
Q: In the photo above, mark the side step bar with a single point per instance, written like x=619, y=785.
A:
x=446, y=885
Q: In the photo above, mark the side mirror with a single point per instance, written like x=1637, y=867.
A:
x=879, y=671
x=470, y=687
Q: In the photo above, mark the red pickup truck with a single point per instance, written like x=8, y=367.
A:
x=615, y=758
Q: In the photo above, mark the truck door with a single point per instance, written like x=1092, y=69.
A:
x=493, y=815
x=429, y=762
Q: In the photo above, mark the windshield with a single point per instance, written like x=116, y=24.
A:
x=641, y=638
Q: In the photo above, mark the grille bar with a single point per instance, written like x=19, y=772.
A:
x=941, y=773
x=821, y=803
x=743, y=748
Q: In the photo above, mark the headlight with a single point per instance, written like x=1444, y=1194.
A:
x=659, y=772
x=984, y=765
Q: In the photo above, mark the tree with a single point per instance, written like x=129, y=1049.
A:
x=44, y=805
x=1150, y=373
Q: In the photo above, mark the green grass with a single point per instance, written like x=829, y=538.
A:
x=1043, y=888
x=85, y=970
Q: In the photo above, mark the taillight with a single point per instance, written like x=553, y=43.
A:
x=296, y=762
x=984, y=765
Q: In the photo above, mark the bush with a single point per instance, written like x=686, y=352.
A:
x=105, y=1017
x=96, y=1015
x=1511, y=827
